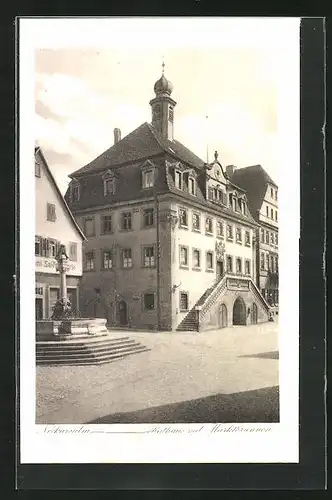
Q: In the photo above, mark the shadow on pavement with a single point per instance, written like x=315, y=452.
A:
x=263, y=355
x=258, y=406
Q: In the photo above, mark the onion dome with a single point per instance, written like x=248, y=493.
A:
x=163, y=86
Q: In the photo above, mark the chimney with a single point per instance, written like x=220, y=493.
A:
x=117, y=135
x=230, y=169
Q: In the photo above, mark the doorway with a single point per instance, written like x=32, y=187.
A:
x=220, y=269
x=72, y=297
x=239, y=312
x=254, y=314
x=123, y=313
x=39, y=308
x=223, y=316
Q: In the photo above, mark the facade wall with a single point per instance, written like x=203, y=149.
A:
x=103, y=289
x=49, y=235
x=195, y=281
x=62, y=229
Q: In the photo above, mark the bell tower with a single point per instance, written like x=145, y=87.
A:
x=163, y=107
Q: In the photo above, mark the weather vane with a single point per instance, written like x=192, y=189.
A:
x=163, y=66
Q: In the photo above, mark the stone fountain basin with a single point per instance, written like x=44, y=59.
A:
x=68, y=328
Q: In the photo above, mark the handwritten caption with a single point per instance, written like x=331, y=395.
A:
x=158, y=429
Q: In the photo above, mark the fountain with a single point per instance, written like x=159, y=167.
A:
x=64, y=324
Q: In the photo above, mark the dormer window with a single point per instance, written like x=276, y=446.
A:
x=108, y=183
x=230, y=199
x=192, y=185
x=75, y=192
x=147, y=178
x=178, y=179
x=109, y=186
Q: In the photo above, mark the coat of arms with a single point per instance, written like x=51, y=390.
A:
x=220, y=249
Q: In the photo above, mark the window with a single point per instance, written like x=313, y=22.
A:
x=271, y=193
x=171, y=114
x=107, y=261
x=148, y=217
x=89, y=226
x=230, y=200
x=73, y=251
x=52, y=248
x=276, y=214
x=178, y=179
x=196, y=222
x=276, y=195
x=89, y=261
x=263, y=292
x=148, y=257
x=229, y=264
x=196, y=258
x=51, y=216
x=184, y=301
x=208, y=225
x=238, y=235
x=75, y=192
x=247, y=238
x=126, y=258
x=192, y=186
x=147, y=179
x=271, y=213
x=229, y=232
x=106, y=224
x=37, y=169
x=109, y=186
x=183, y=217
x=238, y=266
x=276, y=239
x=126, y=221
x=272, y=238
x=220, y=228
x=244, y=207
x=267, y=237
x=262, y=261
x=209, y=260
x=149, y=301
x=276, y=263
x=267, y=261
x=238, y=205
x=247, y=267
x=37, y=246
x=267, y=211
x=183, y=256
x=262, y=235
x=272, y=263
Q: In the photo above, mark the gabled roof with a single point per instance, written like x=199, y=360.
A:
x=143, y=142
x=63, y=201
x=254, y=181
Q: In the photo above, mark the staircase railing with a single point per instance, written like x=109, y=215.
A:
x=210, y=299
x=259, y=295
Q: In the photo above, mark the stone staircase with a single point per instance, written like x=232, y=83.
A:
x=85, y=351
x=190, y=321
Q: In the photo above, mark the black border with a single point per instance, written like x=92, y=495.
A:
x=309, y=474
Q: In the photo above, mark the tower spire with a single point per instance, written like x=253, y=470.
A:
x=163, y=66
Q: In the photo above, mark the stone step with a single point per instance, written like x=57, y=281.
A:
x=91, y=340
x=83, y=347
x=92, y=360
x=88, y=352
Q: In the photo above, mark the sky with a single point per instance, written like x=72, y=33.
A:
x=83, y=92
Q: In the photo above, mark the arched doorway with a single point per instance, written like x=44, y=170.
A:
x=222, y=316
x=239, y=312
x=254, y=314
x=123, y=313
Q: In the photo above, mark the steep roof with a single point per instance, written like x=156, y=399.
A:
x=143, y=142
x=254, y=181
x=63, y=201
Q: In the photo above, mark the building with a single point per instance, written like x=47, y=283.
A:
x=169, y=238
x=262, y=193
x=55, y=225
